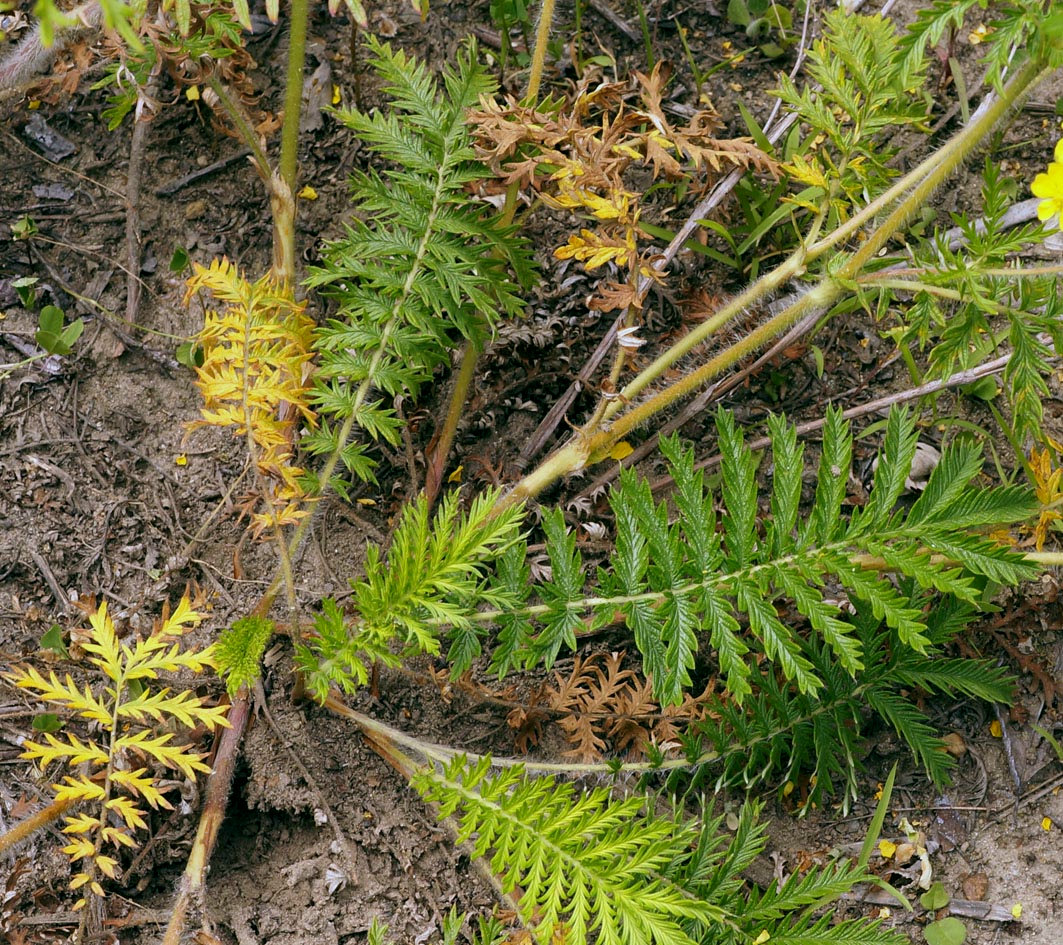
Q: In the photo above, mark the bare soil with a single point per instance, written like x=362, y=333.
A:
x=103, y=494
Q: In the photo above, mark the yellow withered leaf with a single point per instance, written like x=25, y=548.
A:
x=255, y=378
x=82, y=823
x=126, y=715
x=73, y=751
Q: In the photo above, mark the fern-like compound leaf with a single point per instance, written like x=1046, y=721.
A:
x=780, y=732
x=430, y=268
x=681, y=586
x=825, y=520
x=686, y=590
x=585, y=862
x=428, y=587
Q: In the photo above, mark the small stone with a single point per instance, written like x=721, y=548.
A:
x=975, y=886
x=955, y=745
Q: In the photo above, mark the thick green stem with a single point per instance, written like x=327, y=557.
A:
x=759, y=290
x=433, y=479
x=293, y=100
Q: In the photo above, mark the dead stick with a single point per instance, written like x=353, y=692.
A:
x=171, y=188
x=957, y=380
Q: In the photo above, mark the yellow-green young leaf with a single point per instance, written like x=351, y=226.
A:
x=184, y=618
x=150, y=657
x=118, y=837
x=65, y=694
x=243, y=15
x=184, y=707
x=104, y=643
x=125, y=704
x=107, y=865
x=182, y=10
x=173, y=756
x=80, y=848
x=255, y=380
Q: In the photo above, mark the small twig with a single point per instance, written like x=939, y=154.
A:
x=262, y=707
x=1009, y=748
x=174, y=186
x=49, y=578
x=959, y=379
x=968, y=908
x=133, y=243
x=606, y=11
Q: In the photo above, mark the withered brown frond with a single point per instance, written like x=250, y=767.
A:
x=604, y=707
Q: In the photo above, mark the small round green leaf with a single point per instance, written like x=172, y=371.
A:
x=46, y=722
x=935, y=897
x=52, y=640
x=950, y=931
x=179, y=259
x=190, y=355
x=738, y=13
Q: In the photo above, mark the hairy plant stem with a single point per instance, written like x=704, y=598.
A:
x=542, y=40
x=381, y=739
x=242, y=126
x=433, y=478
x=912, y=191
x=434, y=753
x=293, y=93
x=942, y=292
x=25, y=829
x=278, y=188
